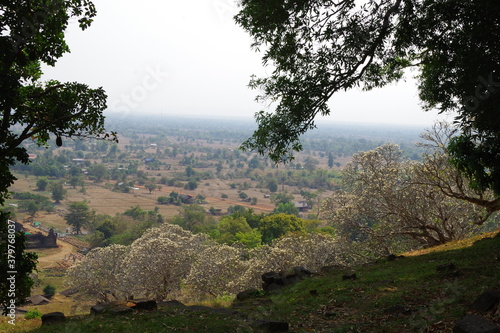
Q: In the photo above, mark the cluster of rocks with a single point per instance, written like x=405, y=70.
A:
x=487, y=303
x=273, y=281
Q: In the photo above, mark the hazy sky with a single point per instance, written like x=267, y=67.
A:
x=189, y=57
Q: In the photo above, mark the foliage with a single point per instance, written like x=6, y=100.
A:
x=159, y=261
x=317, y=49
x=41, y=183
x=274, y=226
x=49, y=290
x=58, y=191
x=194, y=218
x=388, y=207
x=100, y=273
x=32, y=314
x=79, y=215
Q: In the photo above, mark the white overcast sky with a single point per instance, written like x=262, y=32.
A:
x=190, y=58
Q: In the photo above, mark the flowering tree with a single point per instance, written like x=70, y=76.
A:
x=391, y=204
x=160, y=259
x=218, y=271
x=100, y=273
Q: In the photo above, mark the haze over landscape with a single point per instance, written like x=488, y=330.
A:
x=190, y=58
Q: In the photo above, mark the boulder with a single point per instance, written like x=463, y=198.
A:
x=349, y=277
x=246, y=294
x=53, y=318
x=173, y=303
x=270, y=326
x=475, y=324
x=117, y=308
x=144, y=304
x=487, y=301
x=302, y=272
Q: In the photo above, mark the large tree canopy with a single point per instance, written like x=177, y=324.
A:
x=317, y=48
x=32, y=34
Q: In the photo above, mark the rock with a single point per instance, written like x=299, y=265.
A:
x=446, y=268
x=69, y=292
x=391, y=257
x=291, y=279
x=119, y=310
x=270, y=326
x=273, y=287
x=173, y=303
x=116, y=308
x=487, y=301
x=98, y=309
x=143, y=304
x=269, y=277
x=475, y=324
x=53, y=318
x=349, y=277
x=301, y=271
x=246, y=294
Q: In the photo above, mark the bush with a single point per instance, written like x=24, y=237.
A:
x=49, y=290
x=33, y=313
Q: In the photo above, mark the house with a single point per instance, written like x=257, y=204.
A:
x=303, y=206
x=38, y=300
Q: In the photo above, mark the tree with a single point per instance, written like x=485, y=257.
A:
x=317, y=49
x=331, y=160
x=32, y=34
x=99, y=172
x=387, y=206
x=100, y=273
x=229, y=226
x=150, y=186
x=193, y=218
x=277, y=225
x=41, y=183
x=272, y=185
x=160, y=260
x=58, y=191
x=79, y=215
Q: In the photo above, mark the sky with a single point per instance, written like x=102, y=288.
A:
x=190, y=58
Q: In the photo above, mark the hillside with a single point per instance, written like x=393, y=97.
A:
x=426, y=291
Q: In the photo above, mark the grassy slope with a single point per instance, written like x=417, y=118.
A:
x=432, y=300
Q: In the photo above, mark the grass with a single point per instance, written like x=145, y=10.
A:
x=405, y=295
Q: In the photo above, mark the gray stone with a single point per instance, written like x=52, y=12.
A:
x=475, y=324
x=246, y=294
x=53, y=318
x=301, y=271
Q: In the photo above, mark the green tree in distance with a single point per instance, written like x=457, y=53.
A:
x=318, y=48
x=58, y=191
x=79, y=215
